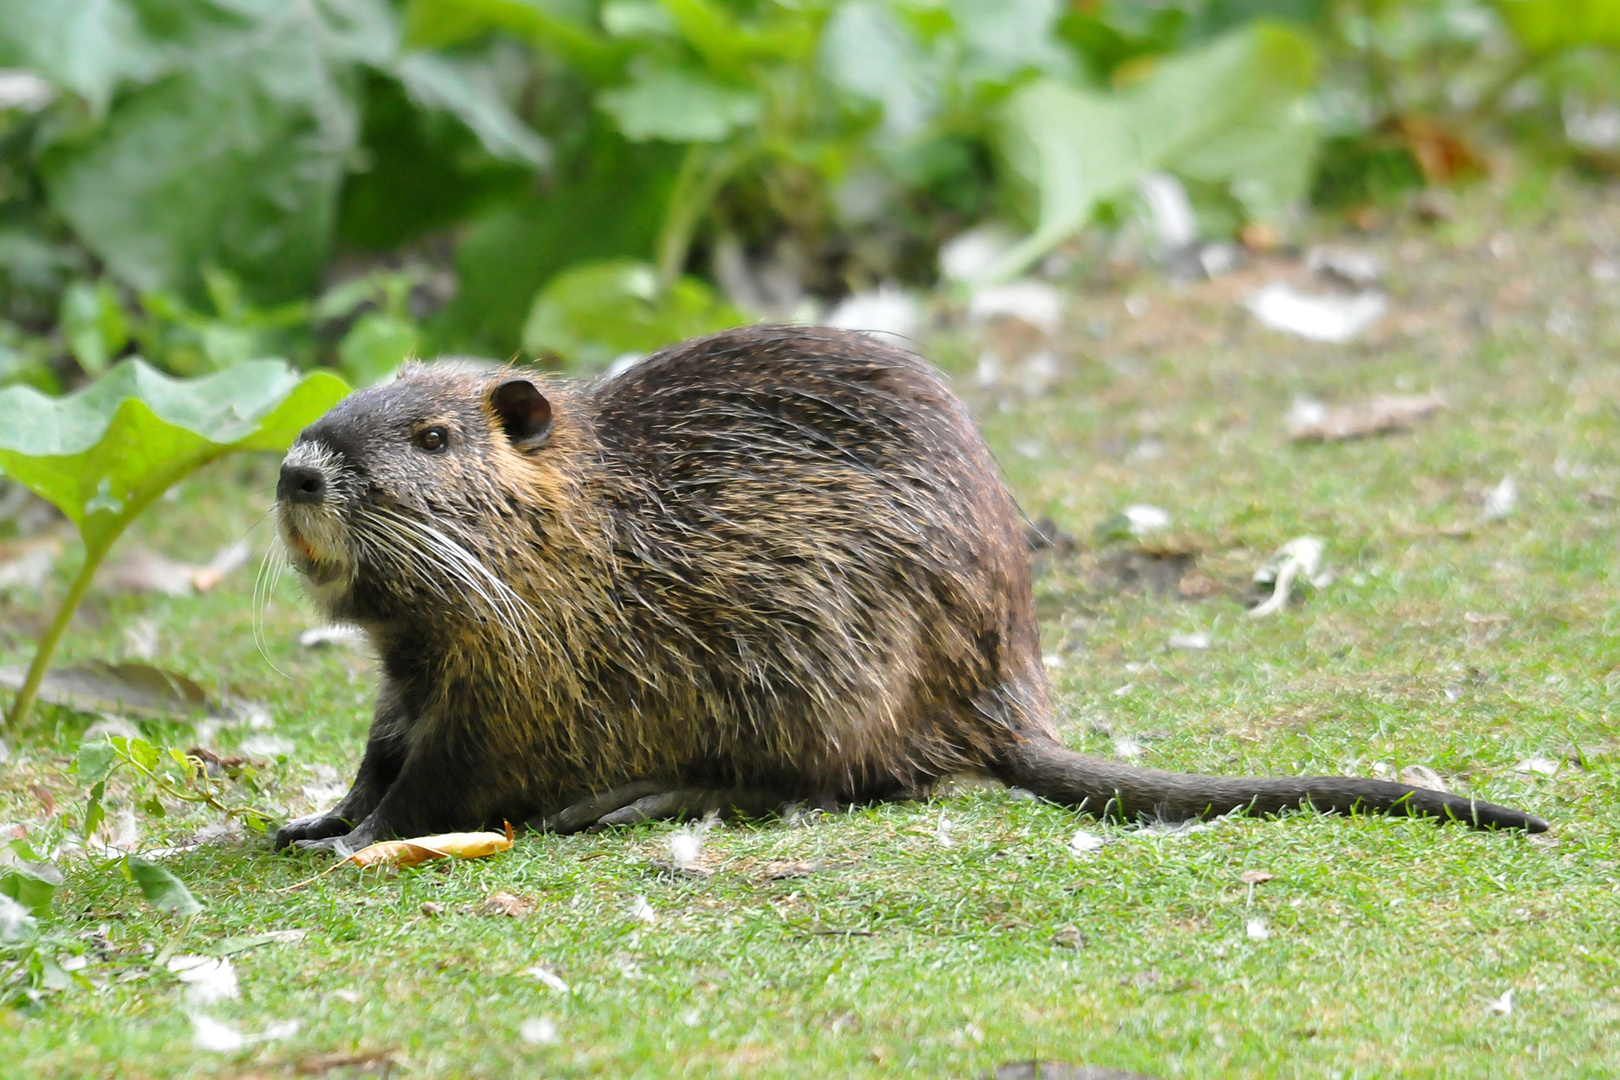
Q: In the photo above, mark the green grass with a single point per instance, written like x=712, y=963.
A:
x=906, y=956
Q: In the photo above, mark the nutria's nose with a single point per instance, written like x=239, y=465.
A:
x=301, y=484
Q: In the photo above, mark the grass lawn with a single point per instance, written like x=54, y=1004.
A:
x=948, y=937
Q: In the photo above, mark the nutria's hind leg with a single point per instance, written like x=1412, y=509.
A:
x=643, y=800
x=588, y=811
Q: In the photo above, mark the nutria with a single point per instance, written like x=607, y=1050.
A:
x=769, y=565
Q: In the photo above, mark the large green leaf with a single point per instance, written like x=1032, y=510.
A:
x=463, y=89
x=31, y=886
x=565, y=28
x=679, y=106
x=1546, y=25
x=162, y=889
x=594, y=313
x=1002, y=38
x=608, y=201
x=234, y=156
x=1232, y=113
x=730, y=47
x=86, y=47
x=868, y=53
x=104, y=453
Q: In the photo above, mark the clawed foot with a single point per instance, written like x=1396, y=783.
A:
x=314, y=828
x=632, y=804
x=327, y=832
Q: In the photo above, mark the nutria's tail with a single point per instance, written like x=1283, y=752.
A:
x=1110, y=789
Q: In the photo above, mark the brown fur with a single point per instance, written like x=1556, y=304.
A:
x=773, y=560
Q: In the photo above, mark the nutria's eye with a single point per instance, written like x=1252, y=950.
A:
x=434, y=438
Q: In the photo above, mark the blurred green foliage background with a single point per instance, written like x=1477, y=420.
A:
x=348, y=182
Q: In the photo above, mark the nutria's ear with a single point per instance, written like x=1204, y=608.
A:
x=524, y=412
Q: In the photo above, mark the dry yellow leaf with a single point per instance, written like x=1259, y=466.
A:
x=421, y=849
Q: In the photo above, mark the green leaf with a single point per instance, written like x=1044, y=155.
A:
x=87, y=47
x=637, y=19
x=1003, y=38
x=376, y=345
x=867, y=53
x=564, y=28
x=594, y=313
x=464, y=91
x=162, y=889
x=31, y=886
x=93, y=322
x=234, y=157
x=95, y=760
x=609, y=202
x=104, y=453
x=679, y=106
x=730, y=47
x=1548, y=25
x=139, y=751
x=1231, y=113
x=94, y=812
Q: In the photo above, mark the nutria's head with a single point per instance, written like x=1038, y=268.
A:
x=388, y=501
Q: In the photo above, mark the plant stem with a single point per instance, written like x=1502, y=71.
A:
x=47, y=643
x=703, y=171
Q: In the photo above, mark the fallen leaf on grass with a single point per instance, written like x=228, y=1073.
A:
x=1069, y=937
x=781, y=871
x=432, y=908
x=406, y=853
x=1255, y=877
x=133, y=689
x=1313, y=421
x=220, y=763
x=1197, y=585
x=1538, y=766
x=47, y=801
x=505, y=903
x=377, y=1061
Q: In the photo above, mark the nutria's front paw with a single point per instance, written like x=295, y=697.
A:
x=365, y=834
x=314, y=827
